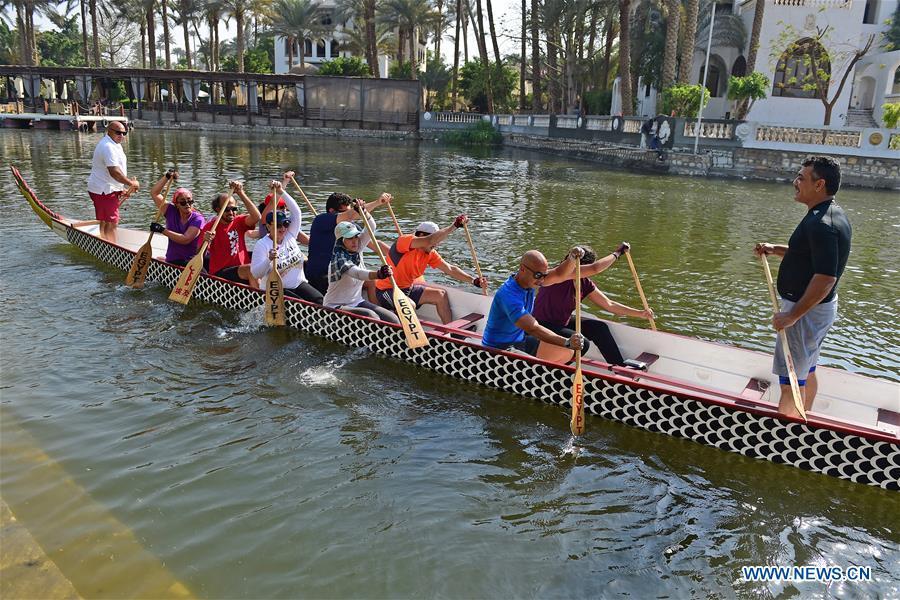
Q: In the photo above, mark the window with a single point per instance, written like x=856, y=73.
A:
x=870, y=16
x=802, y=66
x=307, y=47
x=326, y=19
x=320, y=48
x=335, y=49
x=739, y=68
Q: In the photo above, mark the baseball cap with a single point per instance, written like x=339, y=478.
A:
x=428, y=227
x=346, y=230
x=282, y=218
x=268, y=199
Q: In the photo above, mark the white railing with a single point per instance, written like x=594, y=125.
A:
x=599, y=123
x=815, y=3
x=804, y=135
x=456, y=117
x=632, y=125
x=710, y=130
x=541, y=121
x=504, y=119
x=521, y=120
x=565, y=122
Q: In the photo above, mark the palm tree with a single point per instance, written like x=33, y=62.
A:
x=758, y=12
x=459, y=18
x=410, y=17
x=691, y=10
x=84, y=36
x=668, y=65
x=490, y=15
x=535, y=58
x=238, y=9
x=187, y=9
x=296, y=20
x=625, y=56
x=362, y=11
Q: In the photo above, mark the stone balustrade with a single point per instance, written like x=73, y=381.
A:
x=567, y=122
x=599, y=123
x=457, y=117
x=847, y=4
x=806, y=135
x=714, y=130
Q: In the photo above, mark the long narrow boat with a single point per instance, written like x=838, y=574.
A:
x=717, y=395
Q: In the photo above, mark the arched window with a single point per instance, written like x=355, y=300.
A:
x=320, y=48
x=718, y=77
x=307, y=47
x=803, y=71
x=335, y=49
x=739, y=68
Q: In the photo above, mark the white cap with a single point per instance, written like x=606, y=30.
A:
x=428, y=227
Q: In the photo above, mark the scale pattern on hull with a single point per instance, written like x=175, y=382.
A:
x=846, y=456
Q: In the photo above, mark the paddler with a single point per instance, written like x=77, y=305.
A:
x=410, y=255
x=183, y=221
x=510, y=323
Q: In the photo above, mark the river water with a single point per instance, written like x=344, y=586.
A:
x=161, y=451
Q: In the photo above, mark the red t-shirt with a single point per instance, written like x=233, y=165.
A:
x=411, y=265
x=228, y=248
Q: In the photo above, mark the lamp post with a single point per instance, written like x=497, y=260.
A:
x=712, y=23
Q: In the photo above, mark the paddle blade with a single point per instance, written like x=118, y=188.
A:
x=184, y=287
x=406, y=311
x=139, y=266
x=577, y=423
x=275, y=301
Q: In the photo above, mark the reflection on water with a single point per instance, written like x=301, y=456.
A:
x=267, y=463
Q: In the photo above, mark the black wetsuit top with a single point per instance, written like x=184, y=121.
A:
x=820, y=244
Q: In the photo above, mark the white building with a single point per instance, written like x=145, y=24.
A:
x=327, y=46
x=849, y=23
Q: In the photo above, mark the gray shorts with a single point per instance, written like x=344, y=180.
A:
x=805, y=338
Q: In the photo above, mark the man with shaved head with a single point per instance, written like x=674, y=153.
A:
x=109, y=179
x=510, y=323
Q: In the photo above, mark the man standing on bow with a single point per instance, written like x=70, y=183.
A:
x=108, y=182
x=811, y=265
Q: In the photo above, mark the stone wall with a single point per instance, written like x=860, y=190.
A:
x=738, y=163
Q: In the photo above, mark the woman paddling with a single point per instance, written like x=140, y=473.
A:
x=183, y=223
x=555, y=303
x=288, y=256
x=347, y=272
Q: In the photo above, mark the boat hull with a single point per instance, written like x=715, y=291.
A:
x=839, y=452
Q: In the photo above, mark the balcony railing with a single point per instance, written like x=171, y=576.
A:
x=815, y=3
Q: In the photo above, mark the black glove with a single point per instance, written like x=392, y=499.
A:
x=478, y=281
x=172, y=173
x=156, y=227
x=384, y=272
x=622, y=249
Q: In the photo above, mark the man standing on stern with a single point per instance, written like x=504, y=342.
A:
x=109, y=179
x=811, y=265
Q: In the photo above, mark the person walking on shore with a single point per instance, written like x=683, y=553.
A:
x=812, y=263
x=109, y=179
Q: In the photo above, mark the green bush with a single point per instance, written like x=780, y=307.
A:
x=400, y=71
x=683, y=100
x=352, y=66
x=598, y=102
x=473, y=83
x=747, y=90
x=891, y=114
x=479, y=134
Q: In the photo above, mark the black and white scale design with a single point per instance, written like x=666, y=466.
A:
x=844, y=455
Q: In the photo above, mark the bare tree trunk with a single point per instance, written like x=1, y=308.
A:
x=401, y=44
x=143, y=44
x=166, y=45
x=482, y=50
x=465, y=27
x=536, y=104
x=552, y=70
x=187, y=43
x=671, y=50
x=413, y=52
x=29, y=34
x=371, y=42
x=217, y=65
x=522, y=59
x=754, y=35
x=625, y=57
x=459, y=17
x=239, y=23
x=609, y=35
x=438, y=28
x=23, y=33
x=151, y=35
x=84, y=35
x=94, y=35
x=490, y=13
x=690, y=37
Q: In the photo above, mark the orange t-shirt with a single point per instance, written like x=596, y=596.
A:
x=412, y=263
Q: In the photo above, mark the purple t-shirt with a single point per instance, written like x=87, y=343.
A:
x=177, y=251
x=555, y=303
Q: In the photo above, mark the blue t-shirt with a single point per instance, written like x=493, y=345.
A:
x=511, y=303
x=321, y=244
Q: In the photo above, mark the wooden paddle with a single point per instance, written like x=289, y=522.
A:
x=637, y=284
x=299, y=189
x=406, y=310
x=274, y=284
x=394, y=217
x=577, y=423
x=141, y=263
x=474, y=255
x=792, y=373
x=184, y=287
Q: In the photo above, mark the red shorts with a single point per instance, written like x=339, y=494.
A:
x=106, y=206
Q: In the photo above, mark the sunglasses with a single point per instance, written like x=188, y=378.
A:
x=283, y=223
x=232, y=209
x=185, y=202
x=537, y=274
x=117, y=132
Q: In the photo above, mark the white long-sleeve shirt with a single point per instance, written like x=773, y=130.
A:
x=347, y=291
x=290, y=257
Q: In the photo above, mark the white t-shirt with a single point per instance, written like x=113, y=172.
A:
x=107, y=154
x=347, y=291
x=290, y=257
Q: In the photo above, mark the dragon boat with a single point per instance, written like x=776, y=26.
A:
x=718, y=395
